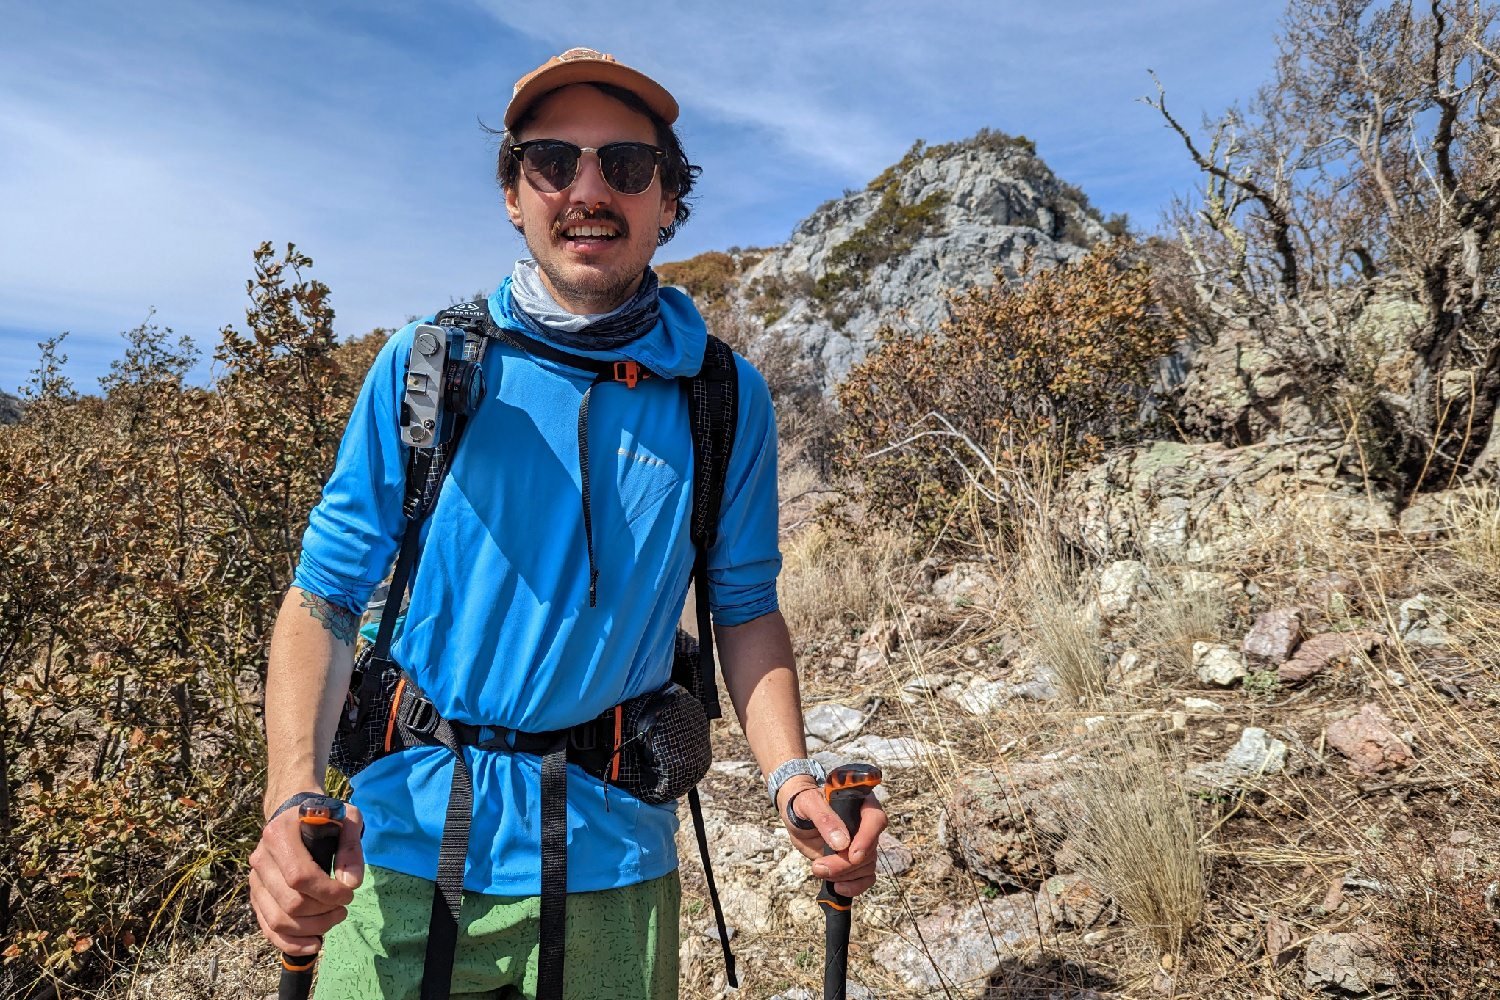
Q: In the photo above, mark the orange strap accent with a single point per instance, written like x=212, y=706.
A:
x=628, y=372
x=614, y=772
x=390, y=723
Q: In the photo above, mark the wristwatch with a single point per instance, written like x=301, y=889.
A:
x=789, y=770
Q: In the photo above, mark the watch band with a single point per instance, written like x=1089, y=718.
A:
x=789, y=770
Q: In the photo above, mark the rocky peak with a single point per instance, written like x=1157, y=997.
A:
x=942, y=218
x=11, y=409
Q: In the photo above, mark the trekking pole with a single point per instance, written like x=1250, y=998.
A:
x=846, y=789
x=320, y=819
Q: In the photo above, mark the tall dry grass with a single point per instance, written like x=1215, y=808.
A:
x=830, y=576
x=1138, y=839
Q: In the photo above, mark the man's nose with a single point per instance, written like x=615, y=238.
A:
x=589, y=187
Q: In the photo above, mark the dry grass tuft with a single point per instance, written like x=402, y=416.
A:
x=1138, y=840
x=1064, y=631
x=1176, y=613
x=1474, y=538
x=829, y=576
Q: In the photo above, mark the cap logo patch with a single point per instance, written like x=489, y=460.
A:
x=573, y=55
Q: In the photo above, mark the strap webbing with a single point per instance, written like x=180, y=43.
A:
x=696, y=805
x=448, y=889
x=554, y=926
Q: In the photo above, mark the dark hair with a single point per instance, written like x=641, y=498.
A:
x=677, y=174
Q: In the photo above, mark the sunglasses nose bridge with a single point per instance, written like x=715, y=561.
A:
x=589, y=185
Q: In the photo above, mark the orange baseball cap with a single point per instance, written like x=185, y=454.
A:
x=582, y=65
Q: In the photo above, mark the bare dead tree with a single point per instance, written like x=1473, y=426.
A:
x=1368, y=167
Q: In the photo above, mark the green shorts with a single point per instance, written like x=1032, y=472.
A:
x=622, y=943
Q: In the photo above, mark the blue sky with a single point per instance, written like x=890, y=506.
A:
x=147, y=148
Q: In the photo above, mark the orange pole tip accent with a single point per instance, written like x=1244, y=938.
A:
x=830, y=904
x=846, y=779
x=307, y=963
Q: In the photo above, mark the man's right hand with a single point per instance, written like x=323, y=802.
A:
x=294, y=902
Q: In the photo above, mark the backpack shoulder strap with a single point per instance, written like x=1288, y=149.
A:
x=426, y=468
x=713, y=414
x=713, y=411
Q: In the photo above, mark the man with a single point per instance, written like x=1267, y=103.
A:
x=538, y=604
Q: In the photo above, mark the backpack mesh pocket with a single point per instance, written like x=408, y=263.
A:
x=359, y=739
x=665, y=748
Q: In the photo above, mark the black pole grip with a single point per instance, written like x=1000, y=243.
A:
x=846, y=789
x=320, y=821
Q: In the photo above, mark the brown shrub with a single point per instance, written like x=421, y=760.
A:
x=1053, y=371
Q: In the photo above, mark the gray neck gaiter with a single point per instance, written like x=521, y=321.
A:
x=589, y=332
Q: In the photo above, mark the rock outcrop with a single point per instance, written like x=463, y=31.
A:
x=943, y=218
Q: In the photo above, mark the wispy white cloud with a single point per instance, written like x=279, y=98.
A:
x=146, y=149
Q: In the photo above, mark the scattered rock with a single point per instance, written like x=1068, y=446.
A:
x=1369, y=742
x=968, y=583
x=1273, y=637
x=747, y=909
x=1330, y=649
x=1255, y=755
x=1421, y=622
x=964, y=947
x=982, y=697
x=1353, y=962
x=1120, y=584
x=1195, y=503
x=1072, y=901
x=1280, y=937
x=1216, y=664
x=1132, y=670
x=894, y=857
x=877, y=644
x=744, y=845
x=1202, y=705
x=1007, y=825
x=896, y=752
x=830, y=722
x=1432, y=515
x=735, y=768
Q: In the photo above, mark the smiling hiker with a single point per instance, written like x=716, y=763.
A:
x=520, y=737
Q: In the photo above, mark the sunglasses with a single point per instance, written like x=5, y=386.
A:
x=551, y=165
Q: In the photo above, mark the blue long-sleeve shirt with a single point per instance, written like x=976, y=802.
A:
x=499, y=631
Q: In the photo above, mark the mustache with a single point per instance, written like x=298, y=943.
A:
x=576, y=215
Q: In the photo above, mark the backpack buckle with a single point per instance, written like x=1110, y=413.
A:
x=628, y=372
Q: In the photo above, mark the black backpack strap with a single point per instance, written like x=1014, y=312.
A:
x=713, y=412
x=426, y=469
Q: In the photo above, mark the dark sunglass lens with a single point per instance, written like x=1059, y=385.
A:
x=628, y=166
x=551, y=165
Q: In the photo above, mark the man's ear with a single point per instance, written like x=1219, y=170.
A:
x=668, y=211
x=513, y=205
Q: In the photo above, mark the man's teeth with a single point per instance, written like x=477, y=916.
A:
x=577, y=231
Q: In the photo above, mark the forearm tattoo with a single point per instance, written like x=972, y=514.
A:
x=340, y=621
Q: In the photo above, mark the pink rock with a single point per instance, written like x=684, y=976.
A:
x=1273, y=636
x=1320, y=652
x=1369, y=742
